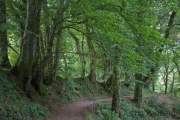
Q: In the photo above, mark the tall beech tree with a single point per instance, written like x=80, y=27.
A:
x=29, y=44
x=92, y=74
x=116, y=84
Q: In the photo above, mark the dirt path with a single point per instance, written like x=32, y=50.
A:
x=72, y=111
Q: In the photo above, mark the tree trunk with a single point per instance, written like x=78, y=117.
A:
x=58, y=43
x=47, y=62
x=92, y=75
x=138, y=90
x=4, y=60
x=66, y=67
x=153, y=85
x=81, y=56
x=166, y=81
x=172, y=84
x=116, y=88
x=83, y=60
x=22, y=16
x=138, y=86
x=57, y=54
x=28, y=44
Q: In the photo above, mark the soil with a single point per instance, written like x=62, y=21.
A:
x=72, y=111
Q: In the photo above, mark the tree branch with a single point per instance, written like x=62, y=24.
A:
x=13, y=49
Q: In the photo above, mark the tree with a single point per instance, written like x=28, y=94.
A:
x=29, y=44
x=4, y=60
x=116, y=85
x=92, y=74
x=81, y=56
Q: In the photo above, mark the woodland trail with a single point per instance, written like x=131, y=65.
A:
x=73, y=111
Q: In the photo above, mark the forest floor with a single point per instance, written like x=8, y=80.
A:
x=75, y=110
x=72, y=111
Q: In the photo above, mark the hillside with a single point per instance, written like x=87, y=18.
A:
x=14, y=104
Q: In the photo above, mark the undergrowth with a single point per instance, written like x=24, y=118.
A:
x=72, y=89
x=151, y=109
x=155, y=107
x=100, y=111
x=13, y=103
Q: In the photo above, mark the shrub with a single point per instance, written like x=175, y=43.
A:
x=153, y=105
x=129, y=112
x=104, y=112
x=176, y=109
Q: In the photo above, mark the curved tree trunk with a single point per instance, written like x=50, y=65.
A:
x=81, y=56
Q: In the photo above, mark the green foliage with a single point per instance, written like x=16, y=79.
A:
x=176, y=107
x=154, y=105
x=150, y=110
x=70, y=90
x=103, y=112
x=14, y=105
x=74, y=88
x=130, y=112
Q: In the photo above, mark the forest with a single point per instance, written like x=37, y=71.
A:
x=55, y=52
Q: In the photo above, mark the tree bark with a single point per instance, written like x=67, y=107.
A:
x=92, y=75
x=4, y=60
x=28, y=45
x=166, y=80
x=116, y=88
x=58, y=42
x=138, y=89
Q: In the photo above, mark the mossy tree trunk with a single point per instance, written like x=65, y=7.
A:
x=28, y=44
x=116, y=87
x=57, y=54
x=58, y=40
x=92, y=75
x=138, y=89
x=4, y=60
